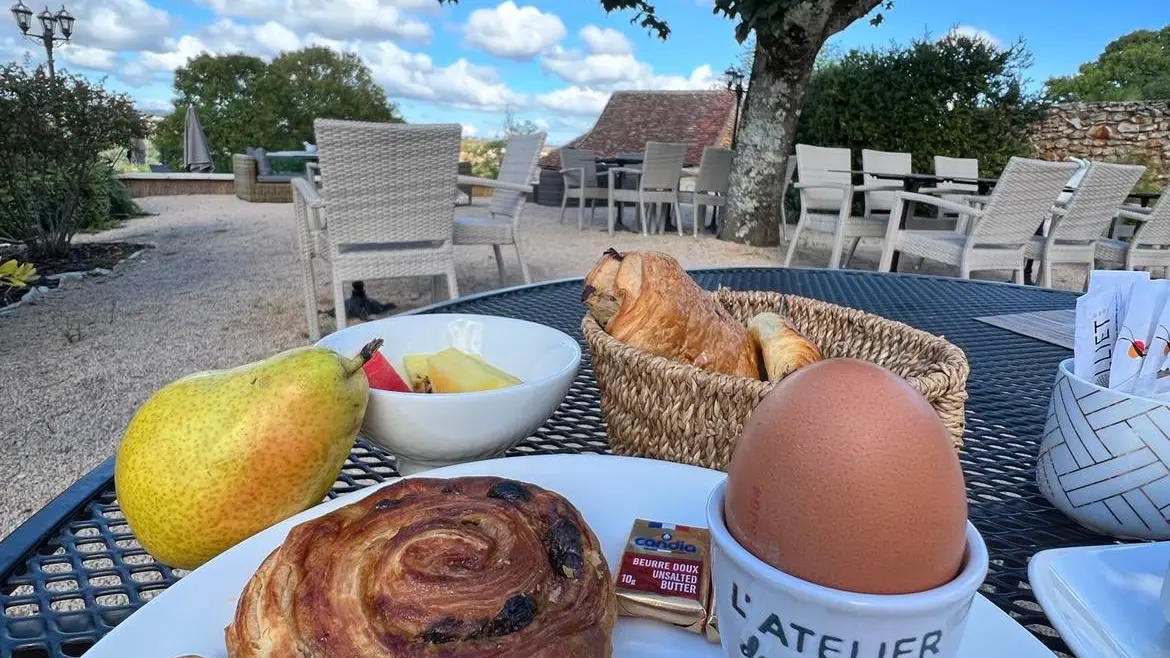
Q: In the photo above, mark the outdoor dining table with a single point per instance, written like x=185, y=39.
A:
x=73, y=570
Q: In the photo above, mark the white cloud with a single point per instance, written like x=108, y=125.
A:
x=265, y=39
x=608, y=62
x=98, y=59
x=120, y=24
x=596, y=69
x=337, y=19
x=513, y=32
x=575, y=100
x=469, y=130
x=975, y=33
x=414, y=75
x=605, y=41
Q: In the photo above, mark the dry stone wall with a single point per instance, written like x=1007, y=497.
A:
x=1129, y=132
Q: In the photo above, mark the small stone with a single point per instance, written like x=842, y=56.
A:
x=66, y=276
x=1099, y=132
x=1127, y=127
x=101, y=271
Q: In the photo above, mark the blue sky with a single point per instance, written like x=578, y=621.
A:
x=554, y=62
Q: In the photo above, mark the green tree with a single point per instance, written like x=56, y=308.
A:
x=53, y=130
x=221, y=88
x=788, y=34
x=318, y=82
x=1133, y=68
x=956, y=96
x=243, y=101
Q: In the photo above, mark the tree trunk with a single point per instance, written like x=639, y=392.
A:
x=784, y=60
x=779, y=78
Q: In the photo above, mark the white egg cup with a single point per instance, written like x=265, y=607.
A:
x=766, y=612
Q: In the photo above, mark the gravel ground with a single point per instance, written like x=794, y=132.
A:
x=221, y=287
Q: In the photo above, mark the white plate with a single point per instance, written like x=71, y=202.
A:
x=1105, y=600
x=611, y=492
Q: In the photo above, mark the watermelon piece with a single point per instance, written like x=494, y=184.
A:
x=383, y=376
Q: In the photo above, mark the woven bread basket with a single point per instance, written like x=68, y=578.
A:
x=662, y=409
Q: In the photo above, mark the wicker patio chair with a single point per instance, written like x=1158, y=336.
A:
x=710, y=186
x=1072, y=238
x=1001, y=230
x=579, y=171
x=312, y=243
x=789, y=172
x=1150, y=245
x=826, y=201
x=657, y=187
x=254, y=188
x=502, y=225
x=386, y=190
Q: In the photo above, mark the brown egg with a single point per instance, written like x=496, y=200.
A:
x=845, y=477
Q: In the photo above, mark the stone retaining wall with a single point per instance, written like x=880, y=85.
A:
x=175, y=184
x=1127, y=132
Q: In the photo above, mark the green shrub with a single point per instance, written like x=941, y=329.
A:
x=956, y=96
x=106, y=201
x=53, y=130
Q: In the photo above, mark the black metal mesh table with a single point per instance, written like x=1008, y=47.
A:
x=74, y=570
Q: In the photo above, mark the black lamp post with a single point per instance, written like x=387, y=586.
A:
x=50, y=23
x=735, y=83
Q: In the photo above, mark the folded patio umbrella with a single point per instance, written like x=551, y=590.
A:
x=196, y=154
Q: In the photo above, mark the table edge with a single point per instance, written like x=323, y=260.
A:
x=25, y=538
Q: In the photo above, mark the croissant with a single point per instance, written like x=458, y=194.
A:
x=648, y=301
x=476, y=566
x=783, y=347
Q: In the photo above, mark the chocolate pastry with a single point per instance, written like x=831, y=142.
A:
x=475, y=566
x=648, y=301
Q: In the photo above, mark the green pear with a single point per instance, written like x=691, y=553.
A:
x=215, y=457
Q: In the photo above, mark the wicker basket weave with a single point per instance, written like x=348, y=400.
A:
x=662, y=409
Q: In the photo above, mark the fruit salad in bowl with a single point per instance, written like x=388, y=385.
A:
x=450, y=388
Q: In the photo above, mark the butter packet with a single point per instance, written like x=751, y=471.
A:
x=1099, y=315
x=1154, y=378
x=1143, y=309
x=665, y=574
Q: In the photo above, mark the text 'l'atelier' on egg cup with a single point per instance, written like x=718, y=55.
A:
x=766, y=612
x=1105, y=458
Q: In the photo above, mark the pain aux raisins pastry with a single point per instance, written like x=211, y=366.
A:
x=475, y=566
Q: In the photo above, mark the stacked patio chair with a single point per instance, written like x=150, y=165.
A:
x=826, y=201
x=579, y=171
x=1150, y=245
x=657, y=185
x=502, y=225
x=710, y=186
x=1076, y=227
x=1001, y=230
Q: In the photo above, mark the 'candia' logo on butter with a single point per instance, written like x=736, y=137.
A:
x=665, y=543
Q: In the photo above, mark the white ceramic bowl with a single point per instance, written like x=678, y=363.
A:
x=428, y=430
x=766, y=612
x=1105, y=457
